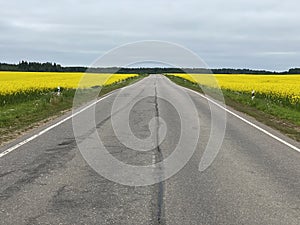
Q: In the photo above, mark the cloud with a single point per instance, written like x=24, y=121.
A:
x=232, y=33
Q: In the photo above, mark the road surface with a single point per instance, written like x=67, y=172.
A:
x=254, y=179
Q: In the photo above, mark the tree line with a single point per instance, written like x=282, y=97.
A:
x=25, y=66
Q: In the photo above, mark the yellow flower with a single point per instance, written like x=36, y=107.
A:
x=271, y=86
x=16, y=82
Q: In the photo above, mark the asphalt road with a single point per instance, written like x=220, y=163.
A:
x=254, y=179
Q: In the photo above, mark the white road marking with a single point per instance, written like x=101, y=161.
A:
x=153, y=161
x=246, y=121
x=50, y=128
x=9, y=150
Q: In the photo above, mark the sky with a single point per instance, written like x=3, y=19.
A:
x=254, y=34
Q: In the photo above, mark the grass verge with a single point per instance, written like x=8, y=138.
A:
x=22, y=112
x=281, y=117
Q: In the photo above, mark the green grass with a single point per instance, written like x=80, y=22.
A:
x=23, y=111
x=274, y=112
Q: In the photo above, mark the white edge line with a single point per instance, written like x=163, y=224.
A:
x=246, y=121
x=9, y=150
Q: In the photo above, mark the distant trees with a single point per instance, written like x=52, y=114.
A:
x=25, y=66
x=54, y=67
x=31, y=67
x=39, y=67
x=294, y=71
x=241, y=71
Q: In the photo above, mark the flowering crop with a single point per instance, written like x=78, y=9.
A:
x=275, y=87
x=15, y=82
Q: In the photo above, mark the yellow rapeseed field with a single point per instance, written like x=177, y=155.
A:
x=13, y=82
x=273, y=86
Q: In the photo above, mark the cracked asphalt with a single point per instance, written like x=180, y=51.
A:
x=253, y=180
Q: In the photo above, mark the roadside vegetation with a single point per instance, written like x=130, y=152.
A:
x=21, y=111
x=30, y=99
x=275, y=110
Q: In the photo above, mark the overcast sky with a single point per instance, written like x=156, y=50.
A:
x=257, y=34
